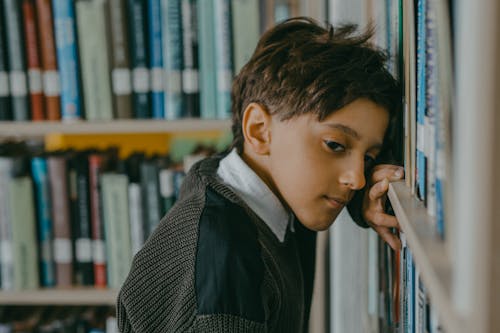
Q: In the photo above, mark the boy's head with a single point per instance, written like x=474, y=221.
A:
x=311, y=110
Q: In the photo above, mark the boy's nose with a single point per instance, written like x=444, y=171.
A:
x=353, y=176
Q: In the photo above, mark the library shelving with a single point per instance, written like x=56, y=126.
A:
x=72, y=296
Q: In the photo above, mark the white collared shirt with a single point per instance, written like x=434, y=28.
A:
x=236, y=174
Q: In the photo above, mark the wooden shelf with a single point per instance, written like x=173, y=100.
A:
x=429, y=252
x=37, y=129
x=77, y=296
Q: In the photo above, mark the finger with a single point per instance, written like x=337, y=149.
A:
x=378, y=190
x=384, y=220
x=391, y=172
x=390, y=238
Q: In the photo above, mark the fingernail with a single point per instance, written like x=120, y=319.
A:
x=398, y=173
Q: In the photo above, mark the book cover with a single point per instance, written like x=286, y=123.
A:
x=24, y=242
x=223, y=57
x=16, y=60
x=93, y=47
x=172, y=49
x=114, y=187
x=67, y=59
x=138, y=37
x=245, y=22
x=120, y=59
x=136, y=213
x=190, y=53
x=154, y=20
x=6, y=258
x=206, y=49
x=50, y=73
x=41, y=182
x=5, y=112
x=33, y=61
x=78, y=173
x=63, y=250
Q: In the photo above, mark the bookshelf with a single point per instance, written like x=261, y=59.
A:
x=74, y=296
x=40, y=129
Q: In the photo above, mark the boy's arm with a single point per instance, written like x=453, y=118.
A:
x=367, y=206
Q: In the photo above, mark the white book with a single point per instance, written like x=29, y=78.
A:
x=135, y=213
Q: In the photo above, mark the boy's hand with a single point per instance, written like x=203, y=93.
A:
x=374, y=202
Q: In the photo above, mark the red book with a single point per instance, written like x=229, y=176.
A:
x=51, y=87
x=33, y=59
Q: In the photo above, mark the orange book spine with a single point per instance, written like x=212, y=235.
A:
x=33, y=61
x=51, y=87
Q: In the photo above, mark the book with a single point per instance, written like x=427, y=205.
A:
x=135, y=199
x=223, y=57
x=120, y=59
x=50, y=73
x=172, y=50
x=139, y=58
x=67, y=59
x=190, y=54
x=206, y=49
x=114, y=187
x=245, y=24
x=5, y=111
x=33, y=61
x=94, y=53
x=40, y=175
x=23, y=233
x=63, y=250
x=6, y=258
x=150, y=195
x=16, y=60
x=78, y=173
x=156, y=55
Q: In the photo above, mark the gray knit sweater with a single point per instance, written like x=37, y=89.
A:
x=213, y=266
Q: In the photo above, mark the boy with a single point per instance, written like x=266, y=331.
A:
x=311, y=113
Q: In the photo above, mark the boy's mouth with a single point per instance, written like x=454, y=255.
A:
x=335, y=202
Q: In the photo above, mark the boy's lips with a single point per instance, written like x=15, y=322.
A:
x=335, y=202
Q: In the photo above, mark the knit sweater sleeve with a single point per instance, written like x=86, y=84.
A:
x=220, y=323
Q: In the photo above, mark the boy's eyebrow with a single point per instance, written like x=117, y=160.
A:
x=352, y=132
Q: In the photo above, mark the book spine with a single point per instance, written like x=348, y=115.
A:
x=67, y=59
x=50, y=74
x=5, y=111
x=139, y=58
x=82, y=231
x=190, y=72
x=98, y=239
x=6, y=260
x=116, y=221
x=24, y=234
x=150, y=196
x=45, y=228
x=63, y=251
x=421, y=173
x=172, y=46
x=223, y=56
x=16, y=60
x=245, y=20
x=206, y=51
x=94, y=59
x=167, y=190
x=120, y=60
x=33, y=61
x=156, y=59
x=135, y=213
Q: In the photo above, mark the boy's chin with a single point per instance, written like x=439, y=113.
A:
x=319, y=225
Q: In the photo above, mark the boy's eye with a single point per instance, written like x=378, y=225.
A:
x=335, y=146
x=369, y=162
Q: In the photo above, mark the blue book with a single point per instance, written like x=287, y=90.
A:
x=206, y=45
x=41, y=182
x=421, y=100
x=223, y=57
x=156, y=59
x=67, y=58
x=139, y=58
x=172, y=46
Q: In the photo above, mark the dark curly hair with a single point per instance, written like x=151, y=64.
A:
x=300, y=67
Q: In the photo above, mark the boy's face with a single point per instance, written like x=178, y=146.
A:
x=316, y=167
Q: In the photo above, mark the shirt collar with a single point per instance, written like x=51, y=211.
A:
x=235, y=173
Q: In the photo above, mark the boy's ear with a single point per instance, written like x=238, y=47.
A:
x=256, y=125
